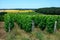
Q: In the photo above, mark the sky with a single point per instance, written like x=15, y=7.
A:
x=7, y=4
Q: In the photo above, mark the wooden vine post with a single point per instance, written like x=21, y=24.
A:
x=9, y=27
x=33, y=25
x=55, y=25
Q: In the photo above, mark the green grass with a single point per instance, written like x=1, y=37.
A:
x=37, y=34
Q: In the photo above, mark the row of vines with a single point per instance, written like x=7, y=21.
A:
x=25, y=22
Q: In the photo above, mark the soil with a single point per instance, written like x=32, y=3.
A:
x=2, y=31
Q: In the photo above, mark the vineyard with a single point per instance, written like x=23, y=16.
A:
x=28, y=21
x=25, y=21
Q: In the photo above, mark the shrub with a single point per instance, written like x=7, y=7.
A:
x=25, y=22
x=36, y=20
x=50, y=23
x=9, y=22
x=42, y=22
x=2, y=15
x=58, y=23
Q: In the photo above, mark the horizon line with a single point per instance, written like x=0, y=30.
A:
x=25, y=8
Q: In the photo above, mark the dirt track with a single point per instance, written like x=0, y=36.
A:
x=2, y=32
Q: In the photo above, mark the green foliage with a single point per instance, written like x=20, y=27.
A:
x=25, y=22
x=50, y=23
x=2, y=16
x=2, y=13
x=36, y=20
x=6, y=19
x=58, y=22
x=42, y=22
x=9, y=22
x=51, y=10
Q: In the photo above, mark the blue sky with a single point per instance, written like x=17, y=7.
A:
x=29, y=3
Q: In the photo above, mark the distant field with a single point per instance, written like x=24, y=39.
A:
x=16, y=10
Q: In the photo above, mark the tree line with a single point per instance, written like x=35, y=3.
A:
x=50, y=10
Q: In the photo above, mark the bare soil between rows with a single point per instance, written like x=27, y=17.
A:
x=2, y=31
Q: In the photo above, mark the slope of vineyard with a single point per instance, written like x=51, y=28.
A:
x=25, y=21
x=31, y=26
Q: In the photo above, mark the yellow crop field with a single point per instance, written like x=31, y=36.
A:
x=16, y=10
